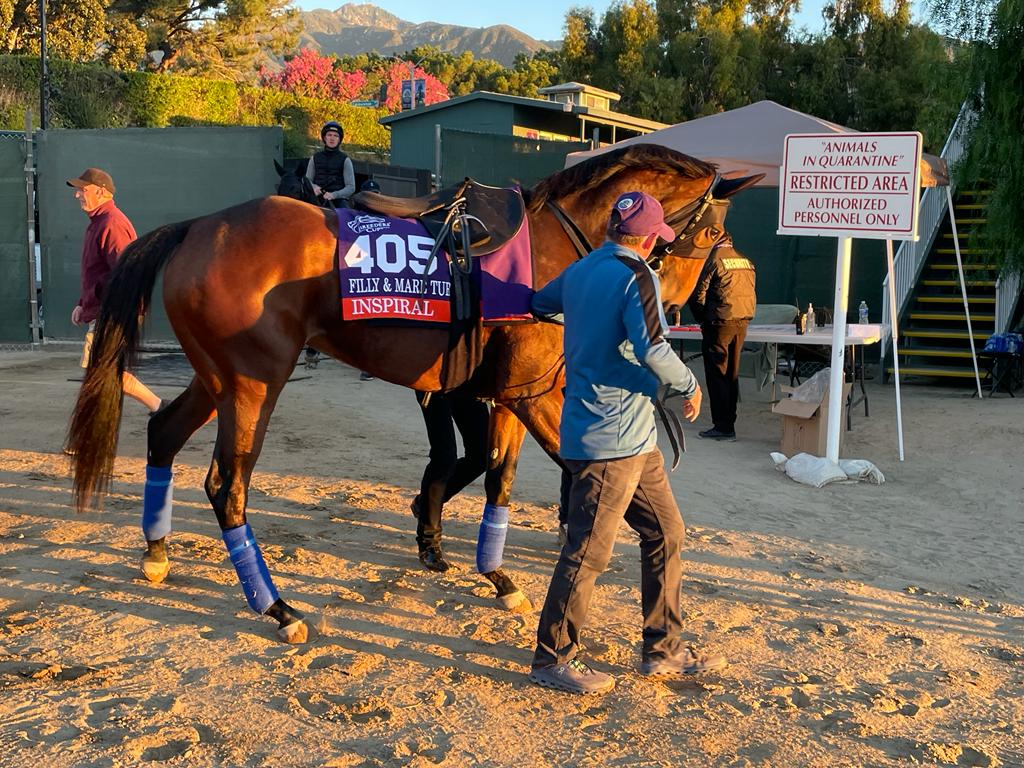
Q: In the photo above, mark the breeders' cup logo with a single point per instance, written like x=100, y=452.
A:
x=626, y=203
x=364, y=223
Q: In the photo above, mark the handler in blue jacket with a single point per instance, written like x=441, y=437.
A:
x=616, y=360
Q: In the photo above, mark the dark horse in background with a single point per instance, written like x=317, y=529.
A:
x=296, y=183
x=246, y=288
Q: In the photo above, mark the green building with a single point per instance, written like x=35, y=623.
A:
x=500, y=139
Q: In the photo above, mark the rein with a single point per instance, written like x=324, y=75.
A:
x=572, y=230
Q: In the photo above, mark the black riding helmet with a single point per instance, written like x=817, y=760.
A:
x=369, y=186
x=331, y=125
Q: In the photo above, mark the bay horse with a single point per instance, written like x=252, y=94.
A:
x=246, y=288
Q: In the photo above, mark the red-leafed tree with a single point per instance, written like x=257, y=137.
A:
x=310, y=74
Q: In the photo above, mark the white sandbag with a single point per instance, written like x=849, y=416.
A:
x=813, y=470
x=862, y=469
x=818, y=472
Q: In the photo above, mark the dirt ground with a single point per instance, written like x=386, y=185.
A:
x=866, y=625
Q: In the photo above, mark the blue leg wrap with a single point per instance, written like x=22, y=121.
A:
x=252, y=571
x=490, y=544
x=157, y=500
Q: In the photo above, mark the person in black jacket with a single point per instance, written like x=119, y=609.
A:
x=446, y=473
x=723, y=303
x=330, y=169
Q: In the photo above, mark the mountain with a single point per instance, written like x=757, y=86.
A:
x=361, y=28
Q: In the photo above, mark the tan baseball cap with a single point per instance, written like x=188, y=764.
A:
x=93, y=176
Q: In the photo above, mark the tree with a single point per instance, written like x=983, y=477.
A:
x=995, y=29
x=225, y=38
x=528, y=73
x=74, y=28
x=628, y=49
x=319, y=77
x=579, y=44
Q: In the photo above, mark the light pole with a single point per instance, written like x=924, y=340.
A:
x=412, y=79
x=44, y=73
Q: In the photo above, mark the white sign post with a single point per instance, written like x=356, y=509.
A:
x=849, y=185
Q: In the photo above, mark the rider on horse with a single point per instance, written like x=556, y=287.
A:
x=330, y=169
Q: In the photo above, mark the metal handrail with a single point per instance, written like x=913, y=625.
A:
x=1007, y=293
x=911, y=256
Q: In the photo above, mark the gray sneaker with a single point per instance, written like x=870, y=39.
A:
x=573, y=676
x=686, y=662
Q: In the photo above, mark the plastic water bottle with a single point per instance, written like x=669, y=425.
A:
x=810, y=318
x=862, y=313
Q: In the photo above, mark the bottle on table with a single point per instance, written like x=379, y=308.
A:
x=810, y=319
x=862, y=313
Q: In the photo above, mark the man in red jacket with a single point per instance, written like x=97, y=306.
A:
x=108, y=234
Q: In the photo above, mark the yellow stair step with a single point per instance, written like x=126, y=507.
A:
x=971, y=221
x=956, y=283
x=955, y=373
x=992, y=267
x=975, y=317
x=956, y=299
x=935, y=352
x=940, y=334
x=969, y=206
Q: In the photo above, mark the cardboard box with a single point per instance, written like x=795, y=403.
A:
x=805, y=425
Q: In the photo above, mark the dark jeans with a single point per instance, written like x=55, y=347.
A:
x=721, y=346
x=603, y=492
x=446, y=474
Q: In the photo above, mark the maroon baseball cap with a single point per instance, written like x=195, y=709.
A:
x=93, y=176
x=641, y=215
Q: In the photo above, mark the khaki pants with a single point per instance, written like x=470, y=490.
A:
x=603, y=493
x=87, y=346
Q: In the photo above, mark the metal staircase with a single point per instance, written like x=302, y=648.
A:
x=934, y=326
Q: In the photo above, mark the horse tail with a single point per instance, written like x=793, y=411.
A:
x=95, y=421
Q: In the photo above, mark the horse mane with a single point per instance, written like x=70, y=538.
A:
x=595, y=171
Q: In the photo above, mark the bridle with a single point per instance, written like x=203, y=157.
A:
x=684, y=223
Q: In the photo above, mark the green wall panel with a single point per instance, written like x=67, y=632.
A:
x=15, y=315
x=162, y=175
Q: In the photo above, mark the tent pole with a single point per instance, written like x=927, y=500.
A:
x=838, y=375
x=963, y=288
x=895, y=348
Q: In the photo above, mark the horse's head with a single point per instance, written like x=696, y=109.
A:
x=295, y=184
x=699, y=227
x=688, y=190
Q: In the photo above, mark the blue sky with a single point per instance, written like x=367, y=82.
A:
x=541, y=19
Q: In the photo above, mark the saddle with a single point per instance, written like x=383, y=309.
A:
x=491, y=214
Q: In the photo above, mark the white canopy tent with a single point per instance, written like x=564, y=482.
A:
x=750, y=140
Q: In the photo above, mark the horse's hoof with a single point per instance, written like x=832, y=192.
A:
x=295, y=633
x=155, y=571
x=516, y=602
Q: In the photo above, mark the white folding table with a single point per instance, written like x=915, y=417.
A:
x=857, y=335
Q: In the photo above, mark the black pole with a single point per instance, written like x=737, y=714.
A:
x=44, y=73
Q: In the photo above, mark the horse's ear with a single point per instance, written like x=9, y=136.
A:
x=279, y=168
x=726, y=188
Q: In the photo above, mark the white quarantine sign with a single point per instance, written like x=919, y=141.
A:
x=862, y=185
